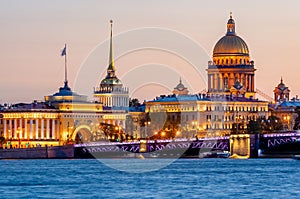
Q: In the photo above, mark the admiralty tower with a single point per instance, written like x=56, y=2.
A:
x=231, y=72
x=111, y=92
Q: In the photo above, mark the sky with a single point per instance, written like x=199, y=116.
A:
x=156, y=43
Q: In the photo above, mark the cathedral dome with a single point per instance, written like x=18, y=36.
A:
x=231, y=50
x=231, y=45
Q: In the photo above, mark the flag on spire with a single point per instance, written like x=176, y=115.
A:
x=64, y=51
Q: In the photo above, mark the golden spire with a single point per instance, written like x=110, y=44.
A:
x=111, y=66
x=230, y=15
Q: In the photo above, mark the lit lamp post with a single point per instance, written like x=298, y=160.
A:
x=194, y=129
x=146, y=124
x=287, y=120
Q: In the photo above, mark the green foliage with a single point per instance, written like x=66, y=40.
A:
x=297, y=120
x=134, y=102
x=254, y=127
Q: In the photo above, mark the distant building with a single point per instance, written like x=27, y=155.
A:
x=283, y=107
x=281, y=92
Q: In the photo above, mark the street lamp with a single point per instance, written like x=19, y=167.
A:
x=146, y=124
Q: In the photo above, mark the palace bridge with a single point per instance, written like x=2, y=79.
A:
x=248, y=145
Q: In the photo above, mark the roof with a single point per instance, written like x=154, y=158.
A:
x=34, y=106
x=290, y=104
x=202, y=97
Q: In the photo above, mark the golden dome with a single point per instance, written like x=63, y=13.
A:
x=231, y=45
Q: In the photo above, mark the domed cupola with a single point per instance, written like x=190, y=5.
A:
x=231, y=49
x=281, y=92
x=180, y=89
x=231, y=72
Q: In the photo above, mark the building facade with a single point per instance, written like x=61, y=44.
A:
x=67, y=117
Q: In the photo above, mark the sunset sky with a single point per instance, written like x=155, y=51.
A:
x=183, y=33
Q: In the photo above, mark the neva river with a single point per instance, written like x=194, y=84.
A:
x=184, y=178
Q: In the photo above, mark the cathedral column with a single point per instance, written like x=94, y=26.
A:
x=47, y=129
x=249, y=83
x=252, y=81
x=221, y=82
x=215, y=82
x=231, y=80
x=42, y=129
x=218, y=82
x=209, y=82
x=246, y=82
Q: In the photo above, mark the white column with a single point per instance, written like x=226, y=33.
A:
x=48, y=129
x=4, y=129
x=36, y=129
x=42, y=129
x=57, y=130
x=53, y=129
x=25, y=129
x=15, y=128
x=21, y=129
x=10, y=128
x=31, y=129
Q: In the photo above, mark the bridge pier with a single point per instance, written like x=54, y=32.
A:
x=244, y=145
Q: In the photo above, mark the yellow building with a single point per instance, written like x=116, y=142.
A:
x=202, y=115
x=64, y=117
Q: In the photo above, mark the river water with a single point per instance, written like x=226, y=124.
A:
x=150, y=178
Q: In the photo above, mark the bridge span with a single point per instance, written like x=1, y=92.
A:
x=246, y=145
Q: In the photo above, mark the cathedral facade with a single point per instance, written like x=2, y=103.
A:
x=229, y=103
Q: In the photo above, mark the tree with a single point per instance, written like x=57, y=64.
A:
x=134, y=102
x=271, y=124
x=254, y=127
x=2, y=141
x=297, y=120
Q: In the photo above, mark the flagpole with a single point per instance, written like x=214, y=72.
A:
x=66, y=79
